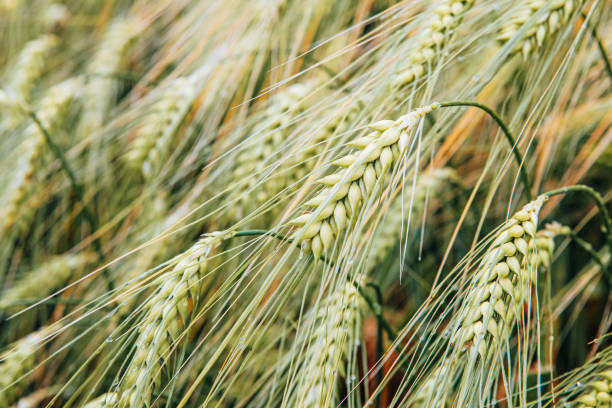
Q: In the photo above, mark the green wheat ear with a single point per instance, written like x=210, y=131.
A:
x=347, y=190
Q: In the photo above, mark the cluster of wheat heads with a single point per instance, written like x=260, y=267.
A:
x=278, y=203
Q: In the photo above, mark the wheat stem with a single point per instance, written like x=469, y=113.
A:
x=599, y=201
x=509, y=137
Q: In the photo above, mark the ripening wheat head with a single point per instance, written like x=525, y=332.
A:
x=51, y=114
x=30, y=66
x=337, y=325
x=16, y=365
x=446, y=16
x=499, y=288
x=154, y=139
x=552, y=16
x=502, y=283
x=364, y=174
x=166, y=314
x=270, y=132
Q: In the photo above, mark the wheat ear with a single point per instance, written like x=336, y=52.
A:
x=502, y=282
x=44, y=279
x=486, y=291
x=30, y=65
x=166, y=313
x=447, y=15
x=107, y=61
x=150, y=147
x=269, y=135
x=338, y=320
x=347, y=189
x=556, y=13
x=19, y=360
x=53, y=110
x=597, y=392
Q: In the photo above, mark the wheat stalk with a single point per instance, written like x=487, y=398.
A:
x=347, y=189
x=166, y=313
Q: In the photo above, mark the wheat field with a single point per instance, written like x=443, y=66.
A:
x=282, y=203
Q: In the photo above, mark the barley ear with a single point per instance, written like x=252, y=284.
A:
x=364, y=172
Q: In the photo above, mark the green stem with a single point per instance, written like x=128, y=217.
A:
x=606, y=222
x=588, y=248
x=597, y=198
x=509, y=137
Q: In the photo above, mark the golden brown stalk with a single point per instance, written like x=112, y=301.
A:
x=365, y=173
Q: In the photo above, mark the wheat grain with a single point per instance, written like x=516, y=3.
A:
x=166, y=313
x=556, y=13
x=150, y=147
x=345, y=190
x=597, y=392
